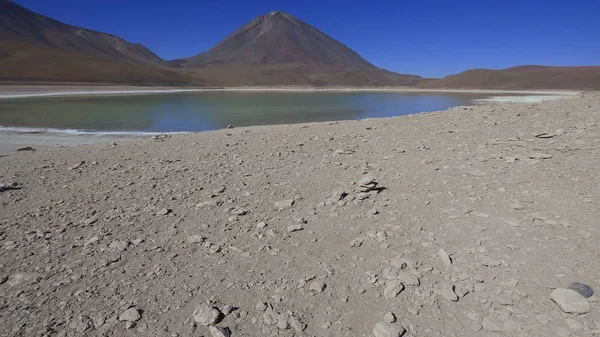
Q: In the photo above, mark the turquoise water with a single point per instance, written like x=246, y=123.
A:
x=183, y=112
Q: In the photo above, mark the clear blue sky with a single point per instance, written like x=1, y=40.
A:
x=430, y=38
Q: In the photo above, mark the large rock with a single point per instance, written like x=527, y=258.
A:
x=570, y=301
x=130, y=315
x=383, y=329
x=392, y=289
x=206, y=314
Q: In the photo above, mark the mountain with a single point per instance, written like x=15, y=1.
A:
x=278, y=48
x=20, y=24
x=27, y=62
x=521, y=77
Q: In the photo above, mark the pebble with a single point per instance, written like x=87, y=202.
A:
x=570, y=301
x=288, y=203
x=163, y=211
x=490, y=262
x=294, y=228
x=206, y=314
x=118, y=246
x=389, y=317
x=444, y=257
x=217, y=331
x=408, y=278
x=130, y=315
x=383, y=329
x=392, y=289
x=583, y=289
x=196, y=239
x=317, y=286
x=448, y=293
x=261, y=306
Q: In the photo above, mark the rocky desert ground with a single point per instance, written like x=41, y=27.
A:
x=476, y=221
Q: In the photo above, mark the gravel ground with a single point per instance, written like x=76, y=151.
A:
x=467, y=222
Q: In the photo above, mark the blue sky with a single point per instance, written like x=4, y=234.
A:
x=430, y=38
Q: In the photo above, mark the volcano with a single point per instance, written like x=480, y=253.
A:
x=278, y=48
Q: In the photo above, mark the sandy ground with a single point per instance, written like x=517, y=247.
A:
x=467, y=222
x=13, y=141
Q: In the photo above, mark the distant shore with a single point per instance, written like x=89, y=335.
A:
x=40, y=91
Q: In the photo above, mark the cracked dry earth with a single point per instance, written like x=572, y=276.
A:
x=467, y=222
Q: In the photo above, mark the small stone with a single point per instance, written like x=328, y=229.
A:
x=294, y=228
x=398, y=263
x=389, y=317
x=196, y=239
x=583, y=289
x=130, y=325
x=261, y=306
x=282, y=321
x=444, y=257
x=261, y=225
x=118, y=246
x=383, y=329
x=284, y=203
x=206, y=314
x=570, y=301
x=130, y=315
x=367, y=180
x=317, y=286
x=326, y=325
x=461, y=291
x=488, y=325
x=217, y=331
x=448, y=293
x=408, y=278
x=490, y=262
x=163, y=211
x=392, y=289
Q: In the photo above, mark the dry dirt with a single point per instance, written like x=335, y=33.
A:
x=478, y=215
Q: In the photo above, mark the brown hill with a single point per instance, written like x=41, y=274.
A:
x=521, y=77
x=21, y=61
x=278, y=48
x=19, y=23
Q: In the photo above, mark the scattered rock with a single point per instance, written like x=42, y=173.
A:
x=389, y=317
x=317, y=286
x=28, y=148
x=288, y=203
x=118, y=246
x=383, y=329
x=444, y=257
x=206, y=314
x=392, y=289
x=570, y=301
x=217, y=331
x=294, y=228
x=490, y=262
x=163, y=211
x=448, y=293
x=196, y=239
x=408, y=278
x=583, y=289
x=130, y=315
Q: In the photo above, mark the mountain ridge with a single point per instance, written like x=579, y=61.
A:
x=21, y=24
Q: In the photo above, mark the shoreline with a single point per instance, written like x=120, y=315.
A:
x=37, y=91
x=14, y=138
